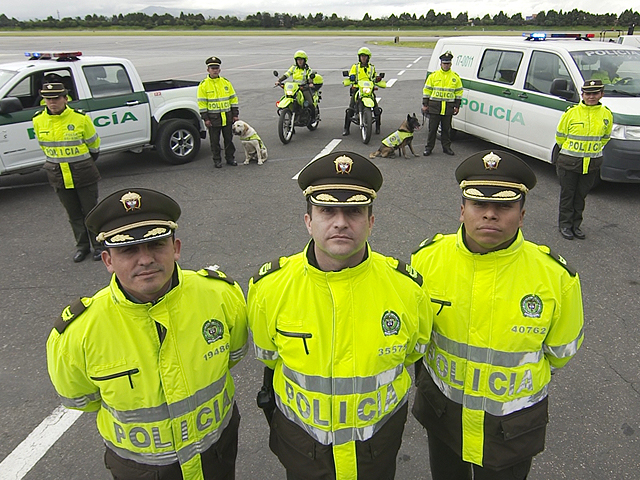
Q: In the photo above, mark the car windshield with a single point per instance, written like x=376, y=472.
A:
x=619, y=70
x=5, y=75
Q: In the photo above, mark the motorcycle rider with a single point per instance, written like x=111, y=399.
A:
x=302, y=74
x=362, y=70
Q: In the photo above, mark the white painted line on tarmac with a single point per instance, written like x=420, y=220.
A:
x=401, y=72
x=325, y=151
x=409, y=66
x=18, y=463
x=417, y=60
x=391, y=82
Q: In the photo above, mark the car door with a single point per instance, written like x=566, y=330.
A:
x=121, y=115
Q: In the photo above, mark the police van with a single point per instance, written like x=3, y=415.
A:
x=516, y=89
x=128, y=114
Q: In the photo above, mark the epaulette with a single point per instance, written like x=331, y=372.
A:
x=39, y=112
x=266, y=269
x=428, y=241
x=558, y=258
x=409, y=271
x=571, y=106
x=68, y=315
x=79, y=110
x=211, y=272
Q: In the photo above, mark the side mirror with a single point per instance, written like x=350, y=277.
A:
x=560, y=88
x=381, y=75
x=275, y=73
x=10, y=105
x=345, y=73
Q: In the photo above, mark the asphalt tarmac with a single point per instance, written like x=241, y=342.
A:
x=240, y=217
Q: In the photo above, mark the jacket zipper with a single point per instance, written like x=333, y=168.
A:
x=127, y=373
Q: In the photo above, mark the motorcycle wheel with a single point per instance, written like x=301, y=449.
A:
x=365, y=127
x=285, y=125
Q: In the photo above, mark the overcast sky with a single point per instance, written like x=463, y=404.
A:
x=27, y=9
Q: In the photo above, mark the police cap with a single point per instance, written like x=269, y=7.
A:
x=213, y=62
x=593, y=86
x=446, y=57
x=53, y=90
x=132, y=216
x=494, y=176
x=340, y=179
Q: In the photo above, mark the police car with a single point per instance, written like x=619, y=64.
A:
x=516, y=89
x=127, y=113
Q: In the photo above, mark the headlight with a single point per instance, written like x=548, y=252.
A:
x=625, y=132
x=366, y=90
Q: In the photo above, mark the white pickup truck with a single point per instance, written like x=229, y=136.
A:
x=128, y=114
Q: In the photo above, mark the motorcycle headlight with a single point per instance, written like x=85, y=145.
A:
x=366, y=90
x=625, y=132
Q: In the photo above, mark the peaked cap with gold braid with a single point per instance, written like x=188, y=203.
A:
x=340, y=179
x=132, y=216
x=494, y=176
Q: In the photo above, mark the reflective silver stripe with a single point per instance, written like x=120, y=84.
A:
x=262, y=354
x=576, y=153
x=342, y=436
x=585, y=138
x=164, y=411
x=183, y=455
x=421, y=347
x=236, y=355
x=74, y=159
x=94, y=150
x=485, y=355
x=343, y=386
x=68, y=143
x=79, y=402
x=92, y=138
x=564, y=351
x=488, y=405
x=561, y=134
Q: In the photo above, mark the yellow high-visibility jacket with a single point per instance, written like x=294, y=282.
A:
x=158, y=402
x=217, y=101
x=503, y=320
x=442, y=91
x=339, y=343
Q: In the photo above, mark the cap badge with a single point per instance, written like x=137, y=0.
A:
x=531, y=306
x=491, y=161
x=49, y=86
x=343, y=164
x=212, y=330
x=131, y=201
x=390, y=323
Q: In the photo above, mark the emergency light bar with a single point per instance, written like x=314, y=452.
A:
x=60, y=57
x=540, y=36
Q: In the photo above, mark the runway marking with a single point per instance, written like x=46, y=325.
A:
x=391, y=82
x=401, y=72
x=417, y=60
x=326, y=150
x=18, y=463
x=410, y=65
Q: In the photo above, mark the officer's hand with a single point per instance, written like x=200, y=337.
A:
x=235, y=119
x=456, y=110
x=425, y=109
x=277, y=83
x=207, y=123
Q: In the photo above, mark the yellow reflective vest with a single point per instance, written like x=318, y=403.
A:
x=217, y=100
x=339, y=343
x=157, y=402
x=503, y=320
x=442, y=91
x=396, y=138
x=299, y=75
x=66, y=138
x=583, y=131
x=363, y=73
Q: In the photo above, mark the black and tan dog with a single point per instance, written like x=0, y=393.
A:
x=399, y=140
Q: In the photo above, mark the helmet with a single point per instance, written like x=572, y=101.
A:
x=364, y=51
x=300, y=54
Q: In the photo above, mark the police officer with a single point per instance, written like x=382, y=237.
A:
x=218, y=104
x=508, y=313
x=71, y=146
x=441, y=97
x=338, y=323
x=362, y=70
x=582, y=133
x=151, y=352
x=302, y=74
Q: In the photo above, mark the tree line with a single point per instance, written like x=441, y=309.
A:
x=283, y=21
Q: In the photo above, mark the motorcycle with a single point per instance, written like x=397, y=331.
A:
x=294, y=111
x=366, y=113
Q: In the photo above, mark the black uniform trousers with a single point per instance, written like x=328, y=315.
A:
x=445, y=135
x=574, y=187
x=78, y=202
x=229, y=147
x=304, y=458
x=218, y=461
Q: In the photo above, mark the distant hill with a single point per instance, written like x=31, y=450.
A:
x=208, y=12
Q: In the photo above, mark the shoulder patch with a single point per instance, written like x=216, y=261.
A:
x=212, y=272
x=558, y=258
x=39, y=112
x=68, y=315
x=409, y=271
x=79, y=110
x=428, y=241
x=571, y=106
x=266, y=269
